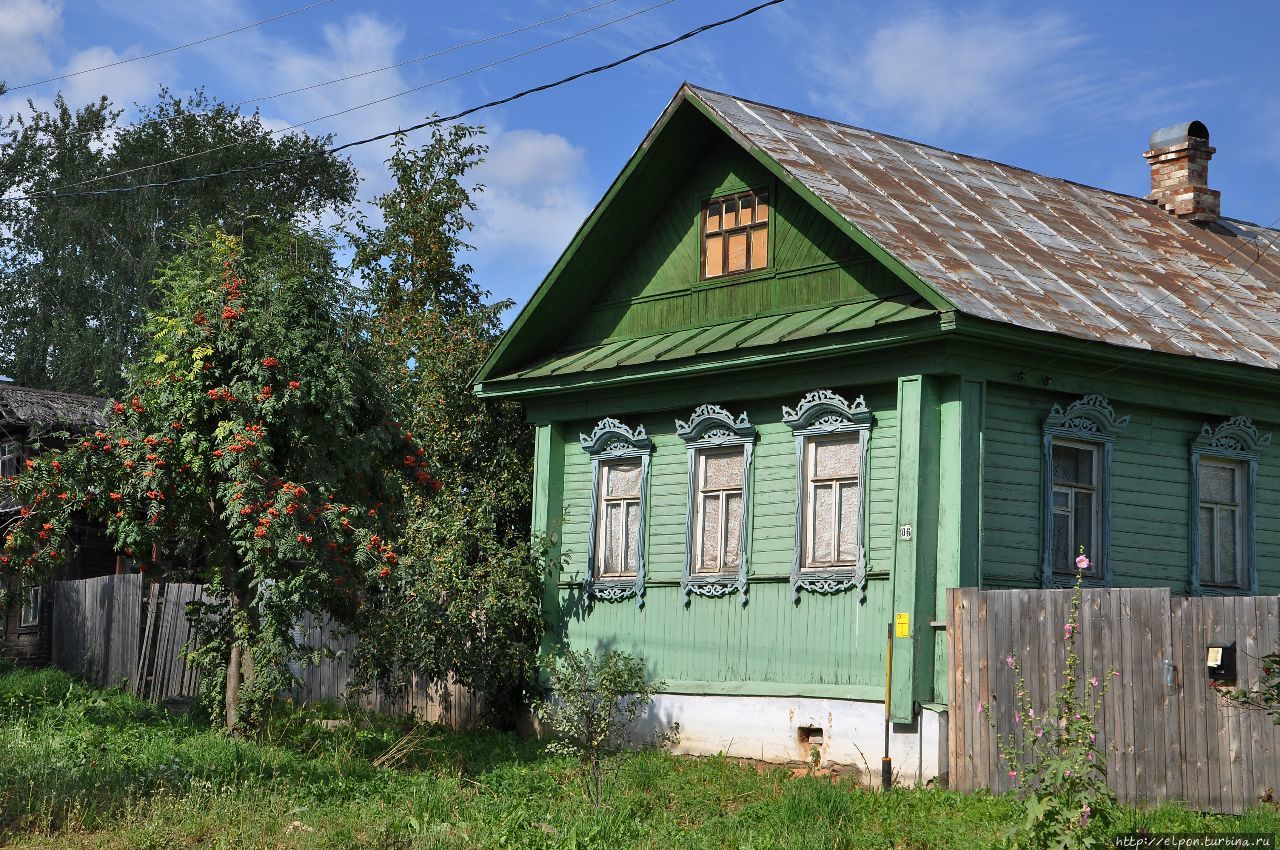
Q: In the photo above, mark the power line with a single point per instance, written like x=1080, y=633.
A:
x=442, y=52
x=367, y=104
x=427, y=56
x=204, y=40
x=404, y=130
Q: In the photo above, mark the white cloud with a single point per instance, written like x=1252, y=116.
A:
x=26, y=28
x=124, y=84
x=938, y=71
x=533, y=201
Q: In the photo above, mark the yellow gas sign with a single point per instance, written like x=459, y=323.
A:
x=902, y=624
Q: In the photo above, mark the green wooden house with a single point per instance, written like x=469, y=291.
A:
x=794, y=379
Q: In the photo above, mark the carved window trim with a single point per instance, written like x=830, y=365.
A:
x=713, y=427
x=1089, y=419
x=1236, y=439
x=823, y=413
x=612, y=440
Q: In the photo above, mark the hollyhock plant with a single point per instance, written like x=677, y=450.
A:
x=205, y=464
x=1052, y=754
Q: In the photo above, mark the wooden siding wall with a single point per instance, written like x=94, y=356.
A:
x=656, y=286
x=1179, y=741
x=1150, y=494
x=824, y=646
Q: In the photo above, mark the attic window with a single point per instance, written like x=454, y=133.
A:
x=735, y=234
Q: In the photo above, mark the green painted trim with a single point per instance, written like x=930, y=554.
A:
x=775, y=689
x=1071, y=353
x=915, y=560
x=687, y=94
x=584, y=230
x=906, y=275
x=890, y=334
x=548, y=489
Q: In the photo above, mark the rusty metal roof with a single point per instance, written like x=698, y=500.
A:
x=24, y=406
x=1009, y=245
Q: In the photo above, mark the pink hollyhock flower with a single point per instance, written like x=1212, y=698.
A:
x=979, y=707
x=1082, y=563
x=1093, y=680
x=1008, y=660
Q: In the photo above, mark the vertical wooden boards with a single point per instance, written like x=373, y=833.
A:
x=110, y=634
x=1165, y=736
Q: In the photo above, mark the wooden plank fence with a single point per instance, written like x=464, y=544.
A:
x=1167, y=733
x=97, y=628
x=113, y=631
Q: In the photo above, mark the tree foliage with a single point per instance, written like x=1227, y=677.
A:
x=256, y=441
x=594, y=701
x=469, y=599
x=76, y=273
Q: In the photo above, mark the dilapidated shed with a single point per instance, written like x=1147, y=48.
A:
x=31, y=419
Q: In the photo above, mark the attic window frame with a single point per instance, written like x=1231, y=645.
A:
x=766, y=225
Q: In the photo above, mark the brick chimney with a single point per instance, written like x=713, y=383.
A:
x=1179, y=158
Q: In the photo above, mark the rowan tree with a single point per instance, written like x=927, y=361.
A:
x=256, y=440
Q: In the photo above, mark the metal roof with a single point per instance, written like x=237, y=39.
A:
x=1013, y=246
x=725, y=337
x=25, y=406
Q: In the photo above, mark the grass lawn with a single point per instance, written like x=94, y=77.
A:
x=81, y=767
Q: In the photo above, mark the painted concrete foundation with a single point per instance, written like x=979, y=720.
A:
x=847, y=733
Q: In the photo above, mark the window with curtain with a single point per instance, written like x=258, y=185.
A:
x=717, y=517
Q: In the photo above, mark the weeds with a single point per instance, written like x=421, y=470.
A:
x=88, y=768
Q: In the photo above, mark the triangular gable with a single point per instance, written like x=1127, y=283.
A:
x=687, y=124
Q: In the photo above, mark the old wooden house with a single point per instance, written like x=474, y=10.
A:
x=30, y=418
x=793, y=379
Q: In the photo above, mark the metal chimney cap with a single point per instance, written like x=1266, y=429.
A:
x=1167, y=136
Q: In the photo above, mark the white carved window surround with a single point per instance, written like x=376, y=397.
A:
x=718, y=518
x=832, y=436
x=1078, y=442
x=619, y=495
x=1224, y=471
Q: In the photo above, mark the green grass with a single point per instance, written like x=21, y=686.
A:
x=81, y=767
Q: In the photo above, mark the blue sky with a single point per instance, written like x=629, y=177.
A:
x=1070, y=90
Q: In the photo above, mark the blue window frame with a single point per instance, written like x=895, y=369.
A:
x=619, y=503
x=831, y=466
x=1078, y=442
x=1224, y=472
x=718, y=519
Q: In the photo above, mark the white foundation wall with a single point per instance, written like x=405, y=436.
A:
x=774, y=729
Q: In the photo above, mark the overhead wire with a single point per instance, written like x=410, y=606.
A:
x=434, y=55
x=365, y=105
x=404, y=130
x=176, y=48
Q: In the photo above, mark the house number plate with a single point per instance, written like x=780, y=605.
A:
x=904, y=532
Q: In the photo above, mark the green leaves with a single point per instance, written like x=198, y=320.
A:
x=274, y=471
x=467, y=602
x=594, y=701
x=76, y=273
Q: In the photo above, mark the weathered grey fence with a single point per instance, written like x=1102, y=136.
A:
x=97, y=625
x=114, y=631
x=1168, y=734
x=433, y=701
